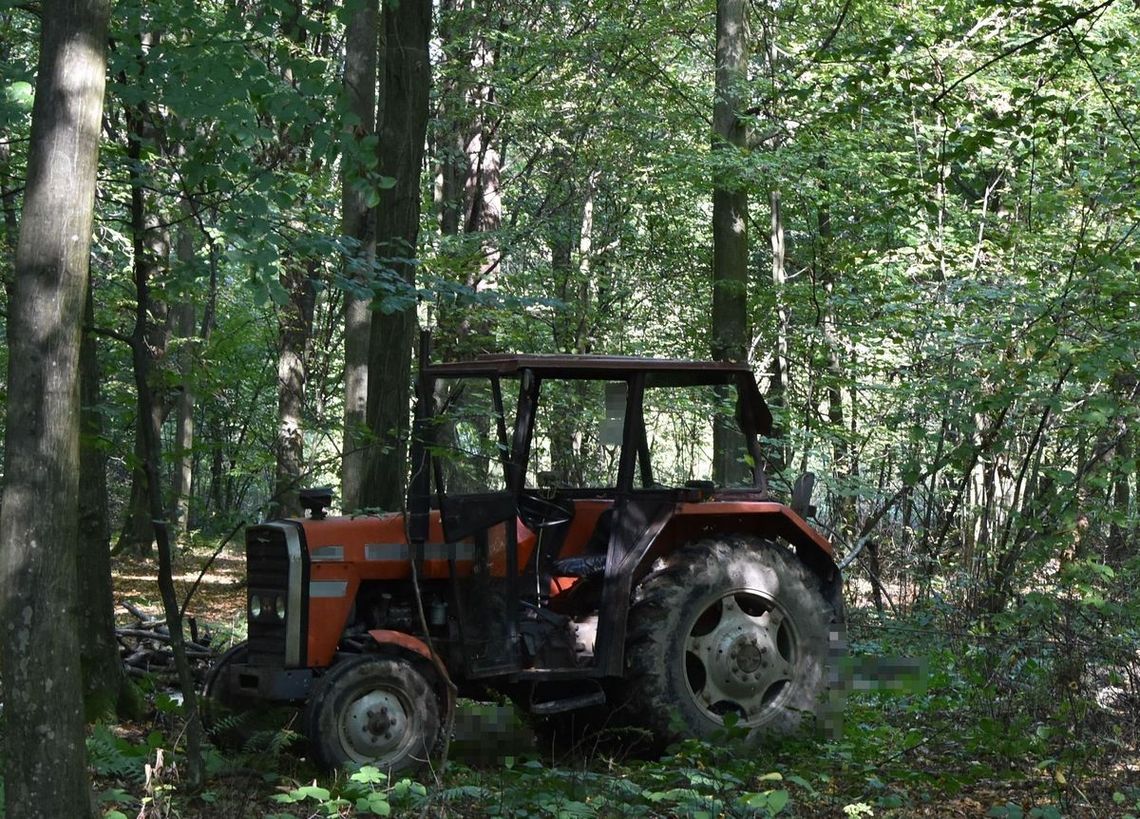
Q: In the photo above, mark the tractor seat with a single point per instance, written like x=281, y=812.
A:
x=586, y=566
x=592, y=563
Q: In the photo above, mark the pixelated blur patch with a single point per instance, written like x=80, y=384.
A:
x=899, y=675
x=489, y=733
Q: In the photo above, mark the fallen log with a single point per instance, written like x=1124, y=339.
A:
x=144, y=647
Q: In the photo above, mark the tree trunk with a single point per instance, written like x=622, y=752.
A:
x=730, y=221
x=1120, y=541
x=105, y=687
x=295, y=329
x=358, y=222
x=825, y=274
x=143, y=359
x=8, y=198
x=151, y=248
x=470, y=168
x=39, y=653
x=779, y=384
x=407, y=80
x=183, y=324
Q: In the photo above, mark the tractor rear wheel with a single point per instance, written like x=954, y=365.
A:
x=729, y=626
x=374, y=709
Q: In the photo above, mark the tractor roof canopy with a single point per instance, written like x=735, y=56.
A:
x=659, y=372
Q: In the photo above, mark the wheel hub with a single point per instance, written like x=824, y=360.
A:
x=738, y=662
x=747, y=655
x=374, y=725
x=740, y=652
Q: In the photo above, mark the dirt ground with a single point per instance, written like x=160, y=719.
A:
x=218, y=600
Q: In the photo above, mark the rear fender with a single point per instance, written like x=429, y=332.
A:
x=766, y=519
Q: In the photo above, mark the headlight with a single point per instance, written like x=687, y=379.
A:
x=279, y=607
x=254, y=606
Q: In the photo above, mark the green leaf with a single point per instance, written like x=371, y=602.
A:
x=369, y=774
x=21, y=94
x=312, y=792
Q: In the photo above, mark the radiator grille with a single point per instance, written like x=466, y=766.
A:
x=267, y=570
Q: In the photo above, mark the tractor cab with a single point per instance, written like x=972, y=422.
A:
x=589, y=457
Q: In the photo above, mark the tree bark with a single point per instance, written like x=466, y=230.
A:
x=470, y=170
x=8, y=195
x=407, y=80
x=730, y=220
x=359, y=223
x=143, y=359
x=151, y=249
x=778, y=386
x=183, y=325
x=106, y=690
x=295, y=329
x=295, y=318
x=39, y=653
x=825, y=274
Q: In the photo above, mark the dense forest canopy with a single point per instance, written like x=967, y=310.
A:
x=941, y=277
x=947, y=332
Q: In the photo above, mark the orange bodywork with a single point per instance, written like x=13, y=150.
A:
x=345, y=551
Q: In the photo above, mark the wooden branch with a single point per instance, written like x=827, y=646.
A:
x=1013, y=49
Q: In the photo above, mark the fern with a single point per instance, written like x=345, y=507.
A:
x=114, y=757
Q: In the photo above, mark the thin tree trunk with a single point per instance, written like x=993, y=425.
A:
x=358, y=222
x=151, y=248
x=826, y=276
x=106, y=690
x=142, y=357
x=45, y=771
x=729, y=221
x=8, y=197
x=294, y=319
x=295, y=329
x=184, y=321
x=779, y=384
x=1118, y=538
x=407, y=80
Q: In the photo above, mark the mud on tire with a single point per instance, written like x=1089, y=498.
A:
x=735, y=625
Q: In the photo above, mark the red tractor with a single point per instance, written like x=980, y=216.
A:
x=603, y=545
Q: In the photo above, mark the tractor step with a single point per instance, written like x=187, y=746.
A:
x=543, y=709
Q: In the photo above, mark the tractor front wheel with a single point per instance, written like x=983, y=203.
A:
x=731, y=626
x=377, y=710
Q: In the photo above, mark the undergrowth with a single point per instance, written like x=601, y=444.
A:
x=1005, y=716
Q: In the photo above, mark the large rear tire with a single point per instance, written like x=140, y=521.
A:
x=377, y=710
x=733, y=625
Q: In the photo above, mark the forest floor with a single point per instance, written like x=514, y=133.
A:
x=983, y=728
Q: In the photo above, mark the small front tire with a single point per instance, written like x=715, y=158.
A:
x=377, y=710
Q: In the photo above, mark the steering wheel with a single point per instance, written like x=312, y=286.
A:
x=539, y=513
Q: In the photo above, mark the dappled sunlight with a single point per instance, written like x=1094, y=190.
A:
x=219, y=598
